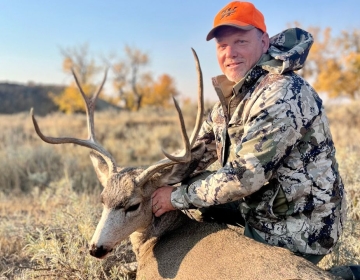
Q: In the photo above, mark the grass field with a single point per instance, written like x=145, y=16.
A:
x=49, y=194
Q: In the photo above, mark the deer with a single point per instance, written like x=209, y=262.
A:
x=174, y=246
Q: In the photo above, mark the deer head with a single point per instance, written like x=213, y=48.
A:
x=126, y=197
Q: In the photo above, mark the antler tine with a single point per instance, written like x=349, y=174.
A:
x=171, y=159
x=101, y=85
x=186, y=157
x=89, y=103
x=200, y=101
x=186, y=153
x=90, y=107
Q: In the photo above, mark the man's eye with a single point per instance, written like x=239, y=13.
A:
x=241, y=42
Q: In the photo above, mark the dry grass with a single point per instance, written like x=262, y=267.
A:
x=345, y=127
x=49, y=194
x=44, y=235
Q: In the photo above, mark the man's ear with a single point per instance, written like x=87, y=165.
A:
x=103, y=166
x=265, y=41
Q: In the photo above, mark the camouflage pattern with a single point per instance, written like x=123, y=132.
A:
x=272, y=137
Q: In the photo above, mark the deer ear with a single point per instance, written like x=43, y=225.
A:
x=103, y=166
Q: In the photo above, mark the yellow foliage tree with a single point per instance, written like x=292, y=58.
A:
x=137, y=88
x=320, y=51
x=340, y=75
x=330, y=78
x=334, y=62
x=350, y=48
x=70, y=101
x=160, y=92
x=129, y=78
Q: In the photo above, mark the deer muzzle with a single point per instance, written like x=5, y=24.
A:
x=99, y=252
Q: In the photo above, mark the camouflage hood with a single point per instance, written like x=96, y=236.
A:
x=287, y=52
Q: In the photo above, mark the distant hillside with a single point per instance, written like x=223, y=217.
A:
x=16, y=98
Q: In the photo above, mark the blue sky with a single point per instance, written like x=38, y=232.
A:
x=32, y=33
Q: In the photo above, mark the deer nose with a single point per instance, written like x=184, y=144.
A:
x=99, y=252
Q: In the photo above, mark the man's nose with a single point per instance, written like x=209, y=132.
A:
x=231, y=52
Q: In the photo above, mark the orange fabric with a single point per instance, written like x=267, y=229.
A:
x=242, y=15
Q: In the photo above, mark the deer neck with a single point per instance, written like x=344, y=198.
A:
x=143, y=241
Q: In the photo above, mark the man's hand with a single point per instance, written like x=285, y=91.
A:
x=161, y=200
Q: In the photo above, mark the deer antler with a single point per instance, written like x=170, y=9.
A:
x=91, y=141
x=188, y=144
x=183, y=157
x=200, y=101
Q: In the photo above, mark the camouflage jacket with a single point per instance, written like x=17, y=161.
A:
x=272, y=137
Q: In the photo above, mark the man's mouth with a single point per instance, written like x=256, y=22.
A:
x=233, y=64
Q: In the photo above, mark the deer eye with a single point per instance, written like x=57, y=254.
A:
x=133, y=208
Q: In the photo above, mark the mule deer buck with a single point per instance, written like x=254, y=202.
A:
x=173, y=246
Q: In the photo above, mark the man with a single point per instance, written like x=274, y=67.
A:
x=270, y=134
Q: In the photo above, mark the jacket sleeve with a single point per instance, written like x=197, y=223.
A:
x=278, y=115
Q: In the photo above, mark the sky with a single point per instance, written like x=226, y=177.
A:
x=33, y=33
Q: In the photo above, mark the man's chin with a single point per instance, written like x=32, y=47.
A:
x=234, y=78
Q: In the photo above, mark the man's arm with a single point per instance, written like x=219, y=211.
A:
x=161, y=198
x=278, y=118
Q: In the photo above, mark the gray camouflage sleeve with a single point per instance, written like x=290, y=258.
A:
x=277, y=119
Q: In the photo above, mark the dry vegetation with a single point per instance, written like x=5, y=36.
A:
x=49, y=202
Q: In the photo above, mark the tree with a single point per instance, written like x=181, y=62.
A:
x=138, y=88
x=76, y=58
x=340, y=75
x=160, y=92
x=349, y=46
x=319, y=53
x=135, y=86
x=334, y=62
x=129, y=79
x=330, y=78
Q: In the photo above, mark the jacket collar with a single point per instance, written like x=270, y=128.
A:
x=225, y=89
